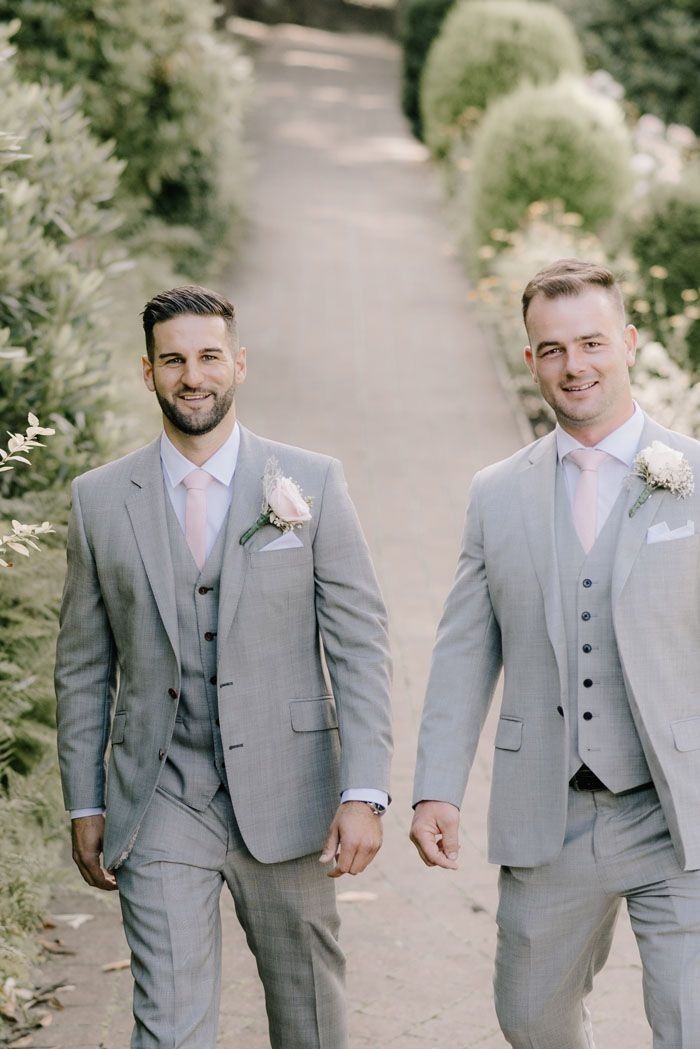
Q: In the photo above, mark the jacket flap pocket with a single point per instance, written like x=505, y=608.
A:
x=118, y=726
x=313, y=715
x=686, y=733
x=509, y=734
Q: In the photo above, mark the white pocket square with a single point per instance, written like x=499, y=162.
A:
x=661, y=533
x=286, y=541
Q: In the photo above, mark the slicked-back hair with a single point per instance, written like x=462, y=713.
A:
x=571, y=277
x=188, y=299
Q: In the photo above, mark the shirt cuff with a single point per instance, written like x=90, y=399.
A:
x=379, y=797
x=76, y=814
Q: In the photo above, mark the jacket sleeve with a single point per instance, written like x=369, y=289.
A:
x=353, y=625
x=465, y=667
x=85, y=674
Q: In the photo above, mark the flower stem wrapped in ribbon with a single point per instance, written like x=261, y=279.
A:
x=283, y=506
x=662, y=467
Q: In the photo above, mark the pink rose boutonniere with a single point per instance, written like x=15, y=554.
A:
x=283, y=506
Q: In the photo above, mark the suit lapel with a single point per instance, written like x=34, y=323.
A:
x=537, y=492
x=145, y=505
x=245, y=508
x=633, y=530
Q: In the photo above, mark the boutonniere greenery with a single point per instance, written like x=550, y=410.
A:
x=662, y=467
x=283, y=505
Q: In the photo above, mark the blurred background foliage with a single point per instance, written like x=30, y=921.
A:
x=122, y=171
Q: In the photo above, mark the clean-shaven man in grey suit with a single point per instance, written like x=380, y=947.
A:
x=238, y=693
x=587, y=594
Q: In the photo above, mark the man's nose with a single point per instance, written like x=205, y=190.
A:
x=575, y=361
x=191, y=374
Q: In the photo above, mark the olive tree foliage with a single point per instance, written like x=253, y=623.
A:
x=56, y=183
x=158, y=80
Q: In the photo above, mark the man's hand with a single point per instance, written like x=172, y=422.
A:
x=435, y=833
x=354, y=839
x=87, y=833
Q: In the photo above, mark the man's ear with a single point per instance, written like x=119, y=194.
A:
x=529, y=359
x=147, y=373
x=240, y=364
x=631, y=340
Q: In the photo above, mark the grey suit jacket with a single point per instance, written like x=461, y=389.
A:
x=504, y=610
x=282, y=614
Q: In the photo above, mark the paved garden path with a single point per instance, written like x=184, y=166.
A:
x=362, y=344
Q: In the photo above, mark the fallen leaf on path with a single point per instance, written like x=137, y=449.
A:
x=356, y=897
x=74, y=920
x=55, y=947
x=113, y=967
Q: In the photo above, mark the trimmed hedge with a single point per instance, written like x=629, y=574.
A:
x=556, y=142
x=484, y=50
x=168, y=90
x=56, y=182
x=667, y=235
x=420, y=23
x=652, y=47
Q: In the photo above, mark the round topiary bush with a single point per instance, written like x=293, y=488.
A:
x=559, y=142
x=420, y=23
x=665, y=240
x=485, y=49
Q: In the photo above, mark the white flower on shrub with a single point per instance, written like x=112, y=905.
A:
x=21, y=538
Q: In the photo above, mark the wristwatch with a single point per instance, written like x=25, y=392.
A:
x=374, y=807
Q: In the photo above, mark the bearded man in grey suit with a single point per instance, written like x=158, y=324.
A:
x=233, y=664
x=580, y=579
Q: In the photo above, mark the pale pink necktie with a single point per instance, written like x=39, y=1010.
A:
x=586, y=495
x=196, y=484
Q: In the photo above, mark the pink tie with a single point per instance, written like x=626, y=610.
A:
x=586, y=495
x=196, y=484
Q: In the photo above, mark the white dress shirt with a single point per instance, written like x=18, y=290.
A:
x=622, y=444
x=221, y=466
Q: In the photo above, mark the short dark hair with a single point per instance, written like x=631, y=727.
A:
x=571, y=277
x=190, y=298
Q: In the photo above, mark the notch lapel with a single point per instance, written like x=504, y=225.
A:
x=536, y=484
x=145, y=505
x=245, y=509
x=633, y=530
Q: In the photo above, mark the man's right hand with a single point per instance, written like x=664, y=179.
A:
x=435, y=833
x=87, y=833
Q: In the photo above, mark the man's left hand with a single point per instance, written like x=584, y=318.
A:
x=354, y=839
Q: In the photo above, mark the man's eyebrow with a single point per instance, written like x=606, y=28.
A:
x=579, y=338
x=178, y=353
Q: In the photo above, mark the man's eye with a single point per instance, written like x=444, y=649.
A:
x=592, y=345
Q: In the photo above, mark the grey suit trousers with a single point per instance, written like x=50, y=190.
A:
x=556, y=921
x=169, y=889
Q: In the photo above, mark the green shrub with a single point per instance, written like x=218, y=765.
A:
x=558, y=142
x=420, y=23
x=55, y=184
x=484, y=50
x=157, y=80
x=652, y=47
x=665, y=240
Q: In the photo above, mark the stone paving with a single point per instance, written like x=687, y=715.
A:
x=362, y=344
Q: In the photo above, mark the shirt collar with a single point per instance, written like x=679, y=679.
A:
x=221, y=465
x=622, y=443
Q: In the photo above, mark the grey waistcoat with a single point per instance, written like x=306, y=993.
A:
x=607, y=742
x=194, y=769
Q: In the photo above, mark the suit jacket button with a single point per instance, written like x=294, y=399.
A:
x=205, y=589
x=209, y=636
x=585, y=616
x=161, y=755
x=587, y=682
x=560, y=711
x=212, y=679
x=172, y=693
x=588, y=583
x=587, y=716
x=587, y=648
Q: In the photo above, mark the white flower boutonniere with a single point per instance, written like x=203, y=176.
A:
x=283, y=506
x=662, y=467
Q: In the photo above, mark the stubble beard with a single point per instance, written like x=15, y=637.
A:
x=195, y=426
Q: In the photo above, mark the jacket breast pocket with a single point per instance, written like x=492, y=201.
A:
x=118, y=727
x=509, y=734
x=313, y=715
x=686, y=734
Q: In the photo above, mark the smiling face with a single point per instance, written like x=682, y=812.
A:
x=579, y=355
x=194, y=374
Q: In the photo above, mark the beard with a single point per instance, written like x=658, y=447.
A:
x=203, y=422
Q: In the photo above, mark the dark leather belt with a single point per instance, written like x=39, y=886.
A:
x=584, y=779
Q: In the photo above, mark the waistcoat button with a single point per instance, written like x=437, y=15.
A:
x=587, y=716
x=587, y=648
x=205, y=589
x=585, y=616
x=209, y=636
x=560, y=711
x=587, y=682
x=587, y=583
x=212, y=679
